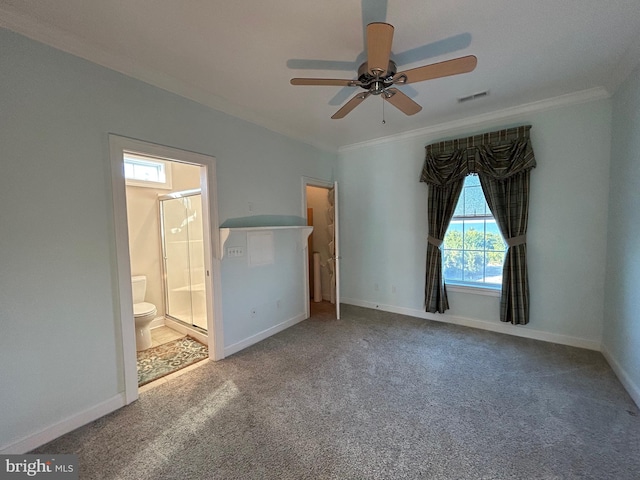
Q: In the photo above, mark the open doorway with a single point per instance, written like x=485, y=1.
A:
x=320, y=210
x=168, y=268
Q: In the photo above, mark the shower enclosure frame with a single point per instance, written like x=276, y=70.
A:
x=192, y=327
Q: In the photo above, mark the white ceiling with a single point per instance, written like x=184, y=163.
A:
x=237, y=56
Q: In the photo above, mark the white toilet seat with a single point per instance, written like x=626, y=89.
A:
x=143, y=308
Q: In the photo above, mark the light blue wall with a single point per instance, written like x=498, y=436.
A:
x=384, y=228
x=59, y=340
x=621, y=332
x=282, y=303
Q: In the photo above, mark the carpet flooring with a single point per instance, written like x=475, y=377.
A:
x=374, y=396
x=157, y=362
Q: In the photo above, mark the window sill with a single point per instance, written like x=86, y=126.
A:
x=460, y=288
x=141, y=183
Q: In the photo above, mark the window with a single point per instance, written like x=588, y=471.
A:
x=143, y=171
x=473, y=248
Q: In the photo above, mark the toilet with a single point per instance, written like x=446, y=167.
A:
x=143, y=312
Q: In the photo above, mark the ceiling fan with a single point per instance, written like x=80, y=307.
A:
x=378, y=75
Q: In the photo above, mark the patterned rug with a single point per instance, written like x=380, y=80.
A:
x=156, y=362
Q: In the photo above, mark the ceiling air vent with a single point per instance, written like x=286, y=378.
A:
x=473, y=96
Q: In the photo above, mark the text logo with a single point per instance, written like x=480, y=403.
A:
x=53, y=467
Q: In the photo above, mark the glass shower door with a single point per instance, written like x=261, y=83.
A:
x=196, y=264
x=183, y=255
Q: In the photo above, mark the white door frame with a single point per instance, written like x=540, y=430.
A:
x=315, y=182
x=118, y=145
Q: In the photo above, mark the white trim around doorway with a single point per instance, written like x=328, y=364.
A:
x=124, y=308
x=312, y=182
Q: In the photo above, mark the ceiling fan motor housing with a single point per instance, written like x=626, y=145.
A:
x=376, y=84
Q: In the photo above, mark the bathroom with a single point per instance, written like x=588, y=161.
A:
x=166, y=247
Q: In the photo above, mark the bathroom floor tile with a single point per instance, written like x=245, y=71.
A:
x=164, y=334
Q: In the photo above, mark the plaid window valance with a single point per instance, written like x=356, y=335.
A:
x=498, y=154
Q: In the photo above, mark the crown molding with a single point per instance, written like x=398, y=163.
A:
x=583, y=96
x=72, y=44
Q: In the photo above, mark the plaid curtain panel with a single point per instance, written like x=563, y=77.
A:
x=442, y=204
x=503, y=160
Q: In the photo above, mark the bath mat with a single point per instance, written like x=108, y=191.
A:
x=156, y=362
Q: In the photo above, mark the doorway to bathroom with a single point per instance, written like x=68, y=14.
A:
x=165, y=214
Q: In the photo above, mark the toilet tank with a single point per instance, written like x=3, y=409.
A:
x=139, y=288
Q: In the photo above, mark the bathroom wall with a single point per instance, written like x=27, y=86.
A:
x=317, y=199
x=144, y=228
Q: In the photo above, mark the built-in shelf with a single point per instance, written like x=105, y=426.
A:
x=305, y=231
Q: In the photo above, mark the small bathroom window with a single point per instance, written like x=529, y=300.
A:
x=144, y=171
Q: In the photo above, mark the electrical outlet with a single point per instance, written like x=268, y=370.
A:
x=235, y=251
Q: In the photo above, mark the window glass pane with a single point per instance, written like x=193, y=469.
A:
x=472, y=181
x=473, y=235
x=494, y=239
x=473, y=249
x=452, y=264
x=145, y=169
x=473, y=266
x=459, y=211
x=474, y=203
x=148, y=173
x=453, y=238
x=493, y=273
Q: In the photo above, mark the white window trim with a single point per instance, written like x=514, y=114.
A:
x=474, y=288
x=166, y=185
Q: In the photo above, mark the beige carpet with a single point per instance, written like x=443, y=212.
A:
x=375, y=396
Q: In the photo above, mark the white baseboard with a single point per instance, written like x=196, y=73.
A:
x=518, y=331
x=242, y=344
x=623, y=376
x=67, y=425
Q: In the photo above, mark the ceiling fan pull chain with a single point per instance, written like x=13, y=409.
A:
x=383, y=121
